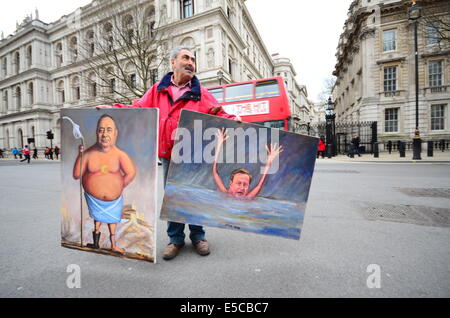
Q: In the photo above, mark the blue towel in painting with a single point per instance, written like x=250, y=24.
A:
x=104, y=211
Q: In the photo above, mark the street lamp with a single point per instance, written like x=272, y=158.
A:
x=220, y=76
x=330, y=117
x=414, y=14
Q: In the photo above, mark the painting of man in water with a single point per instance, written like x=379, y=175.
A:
x=110, y=166
x=239, y=176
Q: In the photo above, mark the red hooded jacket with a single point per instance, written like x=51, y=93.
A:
x=159, y=96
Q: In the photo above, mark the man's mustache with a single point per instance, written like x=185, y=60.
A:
x=189, y=68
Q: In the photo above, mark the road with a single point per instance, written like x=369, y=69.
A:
x=362, y=220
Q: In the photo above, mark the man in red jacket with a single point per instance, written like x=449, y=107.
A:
x=178, y=90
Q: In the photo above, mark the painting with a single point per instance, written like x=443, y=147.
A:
x=239, y=176
x=109, y=175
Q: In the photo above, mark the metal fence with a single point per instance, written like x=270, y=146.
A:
x=344, y=131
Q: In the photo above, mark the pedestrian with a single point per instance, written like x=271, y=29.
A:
x=26, y=153
x=15, y=152
x=35, y=153
x=51, y=152
x=20, y=153
x=47, y=153
x=177, y=90
x=56, y=152
x=389, y=146
x=321, y=148
x=1, y=153
x=354, y=147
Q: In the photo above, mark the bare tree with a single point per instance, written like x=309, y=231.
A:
x=124, y=53
x=436, y=20
x=327, y=90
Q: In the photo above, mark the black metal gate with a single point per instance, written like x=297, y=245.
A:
x=344, y=131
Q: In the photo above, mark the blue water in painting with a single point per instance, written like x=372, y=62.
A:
x=200, y=206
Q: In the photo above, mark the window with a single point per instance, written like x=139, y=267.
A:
x=435, y=73
x=112, y=85
x=432, y=32
x=31, y=94
x=187, y=8
x=389, y=40
x=217, y=93
x=267, y=89
x=17, y=63
x=239, y=92
x=133, y=80
x=4, y=66
x=437, y=117
x=390, y=78
x=391, y=120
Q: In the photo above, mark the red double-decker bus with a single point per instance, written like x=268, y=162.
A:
x=262, y=101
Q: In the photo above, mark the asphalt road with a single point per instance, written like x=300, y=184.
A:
x=362, y=220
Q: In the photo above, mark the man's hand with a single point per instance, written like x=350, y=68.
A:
x=103, y=106
x=238, y=119
x=81, y=148
x=273, y=151
x=221, y=136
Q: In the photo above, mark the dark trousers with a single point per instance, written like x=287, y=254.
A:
x=27, y=157
x=175, y=231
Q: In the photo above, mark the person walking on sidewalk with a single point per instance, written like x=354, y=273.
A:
x=35, y=153
x=321, y=148
x=56, y=152
x=177, y=90
x=26, y=152
x=15, y=152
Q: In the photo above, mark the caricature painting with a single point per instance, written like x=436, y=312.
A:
x=239, y=176
x=109, y=181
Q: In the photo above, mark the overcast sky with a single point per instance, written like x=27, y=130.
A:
x=306, y=31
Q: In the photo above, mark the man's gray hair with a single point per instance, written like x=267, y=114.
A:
x=176, y=51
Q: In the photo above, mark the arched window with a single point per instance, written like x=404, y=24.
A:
x=61, y=92
x=73, y=49
x=128, y=28
x=108, y=36
x=29, y=56
x=92, y=84
x=76, y=93
x=17, y=63
x=18, y=98
x=31, y=93
x=149, y=19
x=5, y=66
x=59, y=55
x=20, y=137
x=5, y=100
x=90, y=41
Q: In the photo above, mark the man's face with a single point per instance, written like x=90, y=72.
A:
x=239, y=185
x=106, y=133
x=184, y=66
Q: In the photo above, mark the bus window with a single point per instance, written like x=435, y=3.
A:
x=217, y=93
x=239, y=92
x=267, y=89
x=272, y=124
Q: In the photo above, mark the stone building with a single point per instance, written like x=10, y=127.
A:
x=375, y=69
x=42, y=68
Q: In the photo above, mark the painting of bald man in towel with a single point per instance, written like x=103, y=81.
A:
x=106, y=171
x=109, y=173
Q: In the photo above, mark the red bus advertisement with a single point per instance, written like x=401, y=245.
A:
x=262, y=101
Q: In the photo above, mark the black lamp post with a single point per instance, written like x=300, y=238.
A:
x=414, y=15
x=330, y=117
x=220, y=76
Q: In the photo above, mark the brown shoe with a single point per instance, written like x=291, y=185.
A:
x=202, y=247
x=172, y=250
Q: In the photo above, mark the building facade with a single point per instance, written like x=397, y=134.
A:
x=45, y=67
x=375, y=69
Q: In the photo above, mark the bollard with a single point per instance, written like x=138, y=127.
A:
x=402, y=149
x=389, y=146
x=430, y=148
x=376, y=153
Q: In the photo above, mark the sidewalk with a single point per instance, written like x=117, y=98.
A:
x=394, y=157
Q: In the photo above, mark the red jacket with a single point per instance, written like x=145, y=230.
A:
x=159, y=96
x=321, y=146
